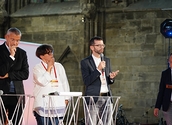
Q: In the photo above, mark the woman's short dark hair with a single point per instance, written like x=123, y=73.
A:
x=44, y=49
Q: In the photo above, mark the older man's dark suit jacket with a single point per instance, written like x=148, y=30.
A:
x=164, y=94
x=17, y=69
x=91, y=76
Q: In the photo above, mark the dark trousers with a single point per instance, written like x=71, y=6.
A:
x=45, y=120
x=14, y=113
x=168, y=115
x=100, y=112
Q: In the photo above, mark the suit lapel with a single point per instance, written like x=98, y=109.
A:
x=106, y=65
x=169, y=72
x=92, y=62
x=6, y=52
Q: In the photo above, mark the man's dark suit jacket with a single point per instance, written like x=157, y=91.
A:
x=17, y=69
x=164, y=94
x=91, y=76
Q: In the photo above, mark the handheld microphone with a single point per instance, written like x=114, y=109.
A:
x=53, y=93
x=102, y=59
x=1, y=92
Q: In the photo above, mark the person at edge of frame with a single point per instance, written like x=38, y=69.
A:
x=164, y=97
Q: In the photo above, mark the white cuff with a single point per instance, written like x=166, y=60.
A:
x=12, y=57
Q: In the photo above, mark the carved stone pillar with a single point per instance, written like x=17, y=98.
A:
x=89, y=12
x=3, y=17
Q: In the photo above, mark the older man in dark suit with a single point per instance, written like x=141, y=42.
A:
x=14, y=69
x=164, y=98
x=97, y=77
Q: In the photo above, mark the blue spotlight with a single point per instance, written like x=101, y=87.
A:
x=166, y=28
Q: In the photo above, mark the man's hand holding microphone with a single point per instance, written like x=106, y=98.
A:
x=102, y=66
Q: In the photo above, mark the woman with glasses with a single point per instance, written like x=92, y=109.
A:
x=49, y=78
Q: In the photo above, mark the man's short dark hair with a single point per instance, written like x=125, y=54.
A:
x=91, y=42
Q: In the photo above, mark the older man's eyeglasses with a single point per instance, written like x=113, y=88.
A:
x=100, y=45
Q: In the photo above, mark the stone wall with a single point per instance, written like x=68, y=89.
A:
x=3, y=17
x=133, y=43
x=138, y=49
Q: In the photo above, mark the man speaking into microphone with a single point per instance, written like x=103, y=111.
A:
x=97, y=76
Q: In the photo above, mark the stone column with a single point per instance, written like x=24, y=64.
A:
x=3, y=18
